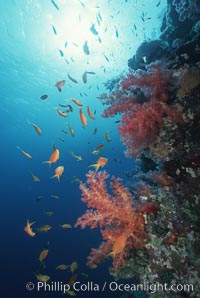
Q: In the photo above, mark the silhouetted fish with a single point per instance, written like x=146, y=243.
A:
x=44, y=96
x=86, y=48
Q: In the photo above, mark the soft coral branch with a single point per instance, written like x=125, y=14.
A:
x=115, y=216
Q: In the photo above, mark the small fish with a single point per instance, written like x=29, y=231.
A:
x=35, y=178
x=42, y=278
x=82, y=117
x=39, y=198
x=66, y=44
x=101, y=162
x=44, y=228
x=43, y=255
x=100, y=146
x=61, y=139
x=54, y=156
x=82, y=4
x=78, y=158
x=66, y=226
x=28, y=229
x=71, y=131
x=55, y=197
x=27, y=155
x=61, y=53
x=108, y=139
x=95, y=131
x=84, y=77
x=62, y=114
x=54, y=29
x=61, y=267
x=91, y=72
x=49, y=213
x=116, y=32
x=76, y=179
x=90, y=114
x=63, y=105
x=37, y=129
x=64, y=131
x=60, y=84
x=72, y=79
x=95, y=152
x=99, y=39
x=58, y=172
x=158, y=4
x=75, y=44
x=117, y=121
x=43, y=97
x=70, y=108
x=55, y=5
x=84, y=274
x=86, y=48
x=93, y=30
x=118, y=245
x=107, y=59
x=73, y=267
x=66, y=61
x=77, y=102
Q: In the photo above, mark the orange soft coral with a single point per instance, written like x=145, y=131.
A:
x=121, y=225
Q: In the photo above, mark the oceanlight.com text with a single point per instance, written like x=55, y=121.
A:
x=56, y=286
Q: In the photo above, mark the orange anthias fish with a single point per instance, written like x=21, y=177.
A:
x=43, y=255
x=44, y=228
x=66, y=226
x=27, y=155
x=108, y=139
x=74, y=266
x=61, y=267
x=101, y=162
x=37, y=129
x=42, y=278
x=28, y=229
x=62, y=114
x=77, y=102
x=54, y=156
x=119, y=245
x=71, y=131
x=60, y=84
x=90, y=114
x=83, y=118
x=58, y=172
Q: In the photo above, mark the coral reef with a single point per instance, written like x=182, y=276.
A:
x=153, y=223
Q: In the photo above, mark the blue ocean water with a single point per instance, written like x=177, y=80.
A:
x=41, y=43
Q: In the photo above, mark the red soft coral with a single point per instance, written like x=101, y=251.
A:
x=115, y=216
x=143, y=102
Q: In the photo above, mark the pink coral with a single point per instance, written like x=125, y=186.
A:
x=115, y=216
x=144, y=107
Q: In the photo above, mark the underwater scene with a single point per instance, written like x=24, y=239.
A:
x=100, y=147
